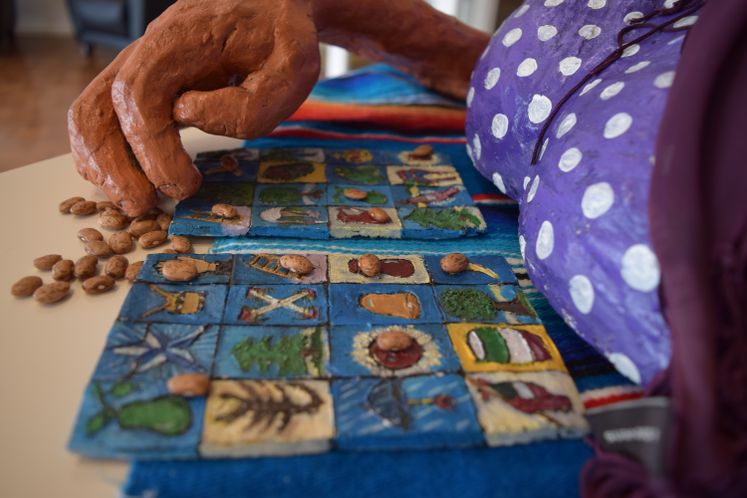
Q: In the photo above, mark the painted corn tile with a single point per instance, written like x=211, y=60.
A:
x=375, y=195
x=301, y=305
x=211, y=268
x=404, y=269
x=355, y=304
x=348, y=221
x=272, y=353
x=290, y=221
x=299, y=194
x=423, y=176
x=267, y=417
x=488, y=347
x=138, y=419
x=412, y=195
x=283, y=155
x=362, y=174
x=492, y=269
x=366, y=350
x=194, y=217
x=154, y=352
x=234, y=193
x=492, y=303
x=291, y=171
x=350, y=156
x=264, y=268
x=528, y=406
x=418, y=412
x=441, y=223
x=194, y=304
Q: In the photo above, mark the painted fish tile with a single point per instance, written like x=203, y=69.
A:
x=428, y=176
x=454, y=195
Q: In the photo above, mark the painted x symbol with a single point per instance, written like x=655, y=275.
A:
x=274, y=304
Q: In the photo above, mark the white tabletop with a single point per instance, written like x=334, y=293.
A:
x=47, y=353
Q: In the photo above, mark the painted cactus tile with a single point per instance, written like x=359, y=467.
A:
x=349, y=221
x=485, y=303
x=137, y=420
x=363, y=174
x=484, y=347
x=228, y=165
x=302, y=305
x=356, y=351
x=198, y=304
x=290, y=221
x=272, y=353
x=438, y=223
x=211, y=268
x=291, y=171
x=284, y=155
x=264, y=268
x=430, y=176
x=523, y=407
x=405, y=269
x=416, y=412
x=376, y=196
x=154, y=352
x=353, y=304
x=300, y=194
x=194, y=217
x=267, y=417
x=491, y=269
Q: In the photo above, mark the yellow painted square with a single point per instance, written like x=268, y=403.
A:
x=317, y=175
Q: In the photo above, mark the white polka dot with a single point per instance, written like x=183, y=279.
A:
x=625, y=366
x=664, y=80
x=631, y=50
x=521, y=10
x=533, y=189
x=491, y=79
x=590, y=86
x=544, y=148
x=611, y=90
x=546, y=32
x=527, y=67
x=569, y=65
x=498, y=182
x=640, y=268
x=566, y=125
x=526, y=181
x=512, y=37
x=668, y=4
x=469, y=153
x=570, y=159
x=596, y=4
x=637, y=67
x=545, y=240
x=617, y=125
x=522, y=246
x=553, y=3
x=539, y=108
x=499, y=126
x=597, y=200
x=470, y=96
x=632, y=16
x=582, y=293
x=589, y=31
x=676, y=40
x=476, y=146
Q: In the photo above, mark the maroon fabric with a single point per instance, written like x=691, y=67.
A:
x=698, y=214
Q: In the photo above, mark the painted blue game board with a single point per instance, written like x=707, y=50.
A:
x=302, y=193
x=298, y=363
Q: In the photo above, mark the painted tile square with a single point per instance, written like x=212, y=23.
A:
x=264, y=268
x=416, y=412
x=267, y=418
x=404, y=269
x=299, y=194
x=487, y=347
x=211, y=268
x=291, y=172
x=492, y=269
x=241, y=154
x=155, y=352
x=363, y=174
x=137, y=419
x=291, y=154
x=423, y=176
x=194, y=217
x=272, y=353
x=350, y=156
x=228, y=165
x=301, y=305
x=198, y=304
x=354, y=304
x=440, y=223
x=364, y=350
x=524, y=407
x=348, y=222
x=375, y=196
x=408, y=157
x=455, y=195
x=485, y=303
x=290, y=221
x=234, y=193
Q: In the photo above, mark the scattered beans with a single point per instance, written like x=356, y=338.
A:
x=454, y=263
x=104, y=205
x=65, y=205
x=85, y=267
x=98, y=248
x=379, y=215
x=26, y=286
x=297, y=264
x=63, y=270
x=152, y=239
x=116, y=267
x=141, y=227
x=51, y=293
x=83, y=208
x=189, y=384
x=178, y=270
x=355, y=194
x=98, y=284
x=225, y=211
x=113, y=219
x=120, y=242
x=45, y=263
x=393, y=340
x=132, y=270
x=181, y=244
x=89, y=234
x=164, y=220
x=369, y=265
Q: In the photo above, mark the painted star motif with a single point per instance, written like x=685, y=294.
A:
x=157, y=348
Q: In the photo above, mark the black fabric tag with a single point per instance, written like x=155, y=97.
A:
x=638, y=429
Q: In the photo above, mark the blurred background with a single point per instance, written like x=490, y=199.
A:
x=51, y=49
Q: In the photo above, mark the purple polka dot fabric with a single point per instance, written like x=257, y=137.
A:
x=584, y=231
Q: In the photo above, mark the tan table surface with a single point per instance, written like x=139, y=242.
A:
x=48, y=353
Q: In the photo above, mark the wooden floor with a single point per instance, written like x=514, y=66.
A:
x=39, y=81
